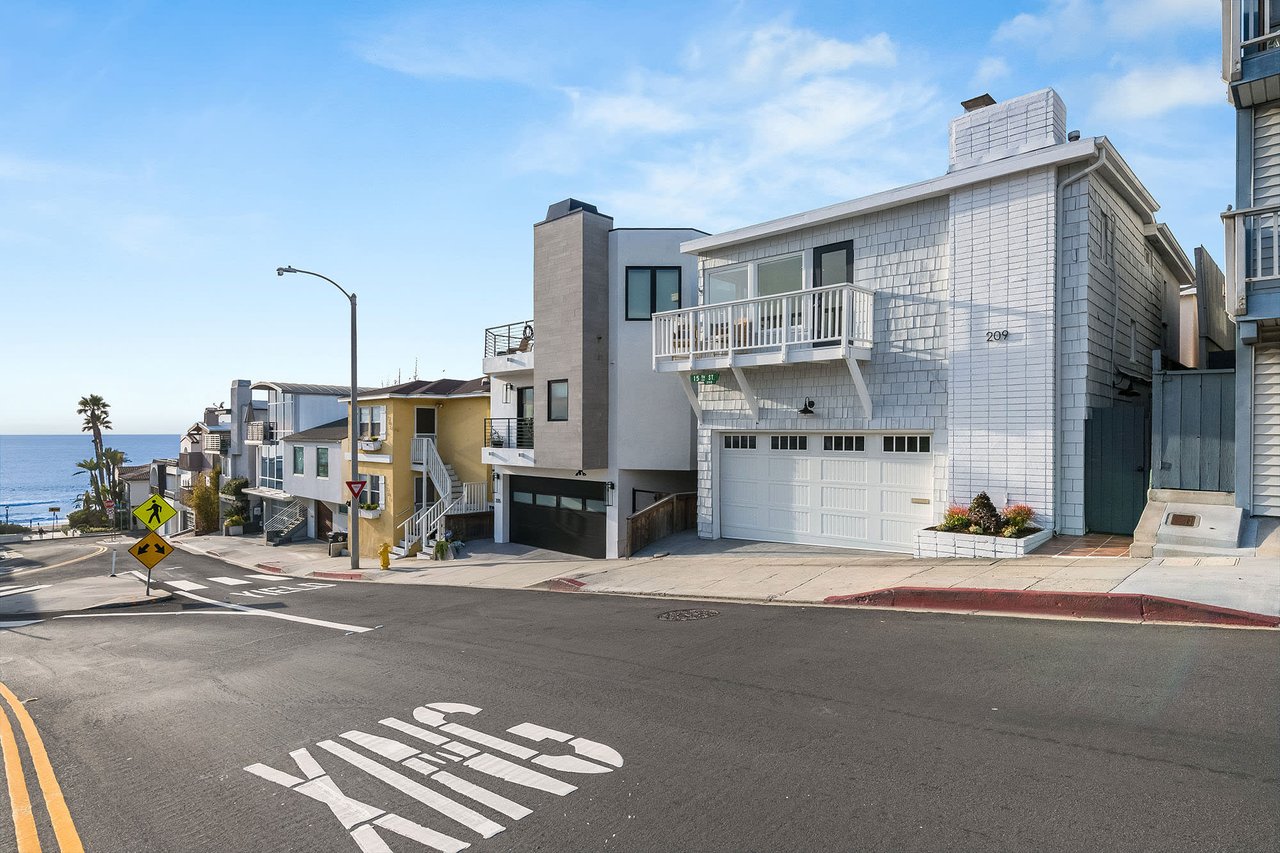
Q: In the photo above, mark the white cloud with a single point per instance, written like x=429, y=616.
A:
x=1089, y=27
x=615, y=113
x=1149, y=16
x=1145, y=93
x=991, y=69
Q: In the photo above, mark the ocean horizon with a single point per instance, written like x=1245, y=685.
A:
x=38, y=472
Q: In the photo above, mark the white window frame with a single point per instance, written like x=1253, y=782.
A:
x=753, y=281
x=325, y=451
x=374, y=485
x=371, y=415
x=298, y=464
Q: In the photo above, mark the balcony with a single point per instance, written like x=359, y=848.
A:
x=509, y=348
x=821, y=324
x=260, y=432
x=192, y=462
x=1253, y=255
x=215, y=442
x=508, y=441
x=1251, y=51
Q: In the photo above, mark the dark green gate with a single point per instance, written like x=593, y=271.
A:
x=1116, y=468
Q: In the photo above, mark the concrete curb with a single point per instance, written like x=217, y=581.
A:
x=1119, y=606
x=158, y=596
x=339, y=576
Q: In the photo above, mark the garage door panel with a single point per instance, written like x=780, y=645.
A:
x=844, y=497
x=898, y=531
x=789, y=494
x=843, y=470
x=787, y=468
x=899, y=503
x=790, y=520
x=902, y=473
x=844, y=526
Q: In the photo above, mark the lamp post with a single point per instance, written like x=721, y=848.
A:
x=353, y=515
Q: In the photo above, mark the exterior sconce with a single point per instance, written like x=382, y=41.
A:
x=806, y=409
x=497, y=475
x=608, y=493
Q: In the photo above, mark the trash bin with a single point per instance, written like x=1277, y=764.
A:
x=337, y=542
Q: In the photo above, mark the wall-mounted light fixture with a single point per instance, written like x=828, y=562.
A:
x=579, y=473
x=497, y=475
x=506, y=392
x=608, y=493
x=807, y=408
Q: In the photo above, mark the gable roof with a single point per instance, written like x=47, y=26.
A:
x=332, y=431
x=430, y=388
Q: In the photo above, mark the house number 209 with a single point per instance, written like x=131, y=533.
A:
x=1002, y=335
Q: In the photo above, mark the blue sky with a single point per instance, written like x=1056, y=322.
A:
x=158, y=160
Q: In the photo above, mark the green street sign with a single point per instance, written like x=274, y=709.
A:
x=704, y=378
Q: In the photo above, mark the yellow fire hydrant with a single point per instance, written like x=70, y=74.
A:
x=384, y=555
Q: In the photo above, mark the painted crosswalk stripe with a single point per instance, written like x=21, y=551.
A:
x=189, y=586
x=350, y=629
x=268, y=577
x=22, y=589
x=231, y=581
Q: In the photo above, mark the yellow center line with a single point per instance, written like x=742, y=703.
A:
x=24, y=823
x=98, y=549
x=64, y=829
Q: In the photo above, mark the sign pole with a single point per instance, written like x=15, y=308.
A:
x=113, y=562
x=148, y=580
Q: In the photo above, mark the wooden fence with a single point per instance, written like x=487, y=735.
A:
x=670, y=515
x=1193, y=430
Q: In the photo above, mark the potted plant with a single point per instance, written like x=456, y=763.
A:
x=370, y=443
x=233, y=525
x=370, y=510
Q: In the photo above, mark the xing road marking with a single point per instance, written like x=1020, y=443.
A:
x=354, y=629
x=283, y=590
x=267, y=577
x=64, y=828
x=186, y=586
x=232, y=581
x=363, y=821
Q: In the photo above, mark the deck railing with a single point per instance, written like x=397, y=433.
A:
x=1253, y=252
x=504, y=340
x=508, y=432
x=838, y=314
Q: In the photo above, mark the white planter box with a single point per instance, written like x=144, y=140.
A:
x=369, y=445
x=938, y=543
x=233, y=530
x=370, y=513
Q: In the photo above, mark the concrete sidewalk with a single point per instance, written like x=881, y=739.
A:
x=785, y=575
x=95, y=593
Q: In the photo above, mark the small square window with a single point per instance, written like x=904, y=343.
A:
x=558, y=400
x=299, y=459
x=570, y=503
x=789, y=442
x=522, y=497
x=322, y=462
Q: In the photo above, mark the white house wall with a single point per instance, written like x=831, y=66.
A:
x=650, y=422
x=902, y=255
x=1000, y=393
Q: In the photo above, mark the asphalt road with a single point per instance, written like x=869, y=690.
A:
x=762, y=728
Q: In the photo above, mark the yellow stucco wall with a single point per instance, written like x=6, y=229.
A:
x=459, y=434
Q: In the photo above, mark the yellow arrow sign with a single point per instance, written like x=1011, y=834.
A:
x=154, y=512
x=150, y=549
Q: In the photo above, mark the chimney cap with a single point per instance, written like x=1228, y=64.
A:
x=983, y=100
x=1073, y=136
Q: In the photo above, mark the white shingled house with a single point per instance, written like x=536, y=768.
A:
x=856, y=368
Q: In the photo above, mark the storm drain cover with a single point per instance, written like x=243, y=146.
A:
x=687, y=615
x=1177, y=519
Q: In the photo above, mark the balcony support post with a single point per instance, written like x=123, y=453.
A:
x=686, y=382
x=859, y=384
x=748, y=395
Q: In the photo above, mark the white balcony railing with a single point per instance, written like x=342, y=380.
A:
x=807, y=325
x=1253, y=253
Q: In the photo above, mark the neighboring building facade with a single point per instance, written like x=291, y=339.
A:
x=137, y=488
x=163, y=479
x=288, y=407
x=313, y=472
x=420, y=458
x=864, y=365
x=1251, y=68
x=582, y=433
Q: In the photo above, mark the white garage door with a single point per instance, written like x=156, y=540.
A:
x=1266, y=430
x=854, y=491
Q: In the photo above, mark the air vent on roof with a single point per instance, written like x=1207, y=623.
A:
x=983, y=100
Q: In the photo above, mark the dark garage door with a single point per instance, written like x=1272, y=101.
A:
x=560, y=515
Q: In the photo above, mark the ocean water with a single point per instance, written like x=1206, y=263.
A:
x=39, y=471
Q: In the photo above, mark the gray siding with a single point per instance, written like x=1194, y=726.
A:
x=571, y=319
x=1193, y=431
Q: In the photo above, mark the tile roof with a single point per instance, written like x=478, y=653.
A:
x=332, y=431
x=432, y=388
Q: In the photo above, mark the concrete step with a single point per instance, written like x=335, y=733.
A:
x=1215, y=526
x=1200, y=551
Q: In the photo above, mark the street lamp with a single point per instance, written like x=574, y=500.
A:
x=353, y=516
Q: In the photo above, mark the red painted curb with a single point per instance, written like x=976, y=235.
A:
x=1131, y=607
x=339, y=576
x=268, y=567
x=565, y=585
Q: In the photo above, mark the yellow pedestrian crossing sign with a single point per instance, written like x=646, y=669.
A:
x=150, y=549
x=154, y=512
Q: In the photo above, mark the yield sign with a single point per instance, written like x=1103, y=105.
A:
x=150, y=550
x=355, y=487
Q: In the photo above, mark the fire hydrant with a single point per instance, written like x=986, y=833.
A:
x=384, y=555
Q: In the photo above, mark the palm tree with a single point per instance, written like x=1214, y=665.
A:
x=96, y=419
x=113, y=459
x=91, y=465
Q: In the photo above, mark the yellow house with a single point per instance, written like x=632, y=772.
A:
x=420, y=458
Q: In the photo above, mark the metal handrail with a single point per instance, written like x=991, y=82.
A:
x=508, y=432
x=504, y=340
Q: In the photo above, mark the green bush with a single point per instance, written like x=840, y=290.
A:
x=983, y=514
x=13, y=528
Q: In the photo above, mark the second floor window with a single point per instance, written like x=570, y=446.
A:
x=299, y=460
x=372, y=493
x=652, y=289
x=558, y=400
x=322, y=462
x=373, y=422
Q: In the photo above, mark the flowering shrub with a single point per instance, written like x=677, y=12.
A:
x=955, y=518
x=982, y=518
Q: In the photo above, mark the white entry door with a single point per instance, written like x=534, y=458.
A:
x=855, y=491
x=1266, y=430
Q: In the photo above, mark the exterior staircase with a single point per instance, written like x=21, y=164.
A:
x=282, y=526
x=455, y=496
